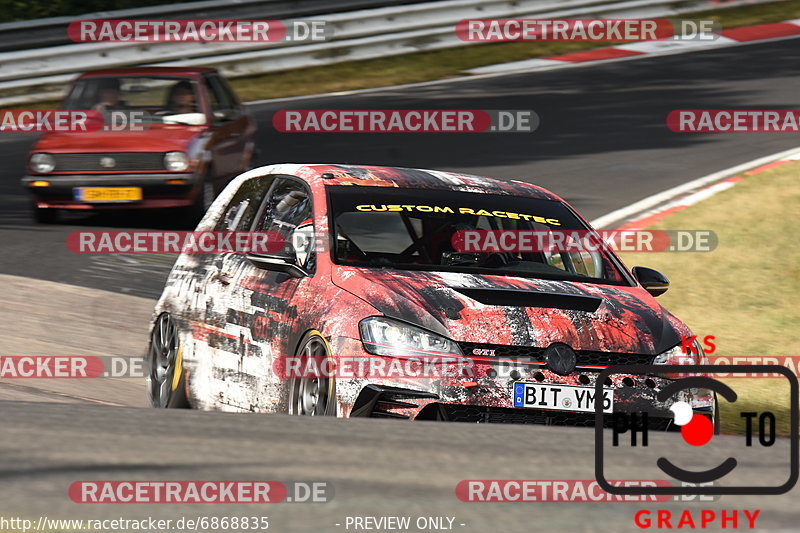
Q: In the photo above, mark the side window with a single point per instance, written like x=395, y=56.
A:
x=243, y=208
x=225, y=89
x=214, y=99
x=219, y=94
x=288, y=211
x=583, y=262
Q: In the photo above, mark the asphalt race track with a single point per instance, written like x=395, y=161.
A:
x=376, y=467
x=602, y=144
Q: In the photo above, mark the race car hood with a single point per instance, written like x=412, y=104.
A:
x=157, y=138
x=518, y=311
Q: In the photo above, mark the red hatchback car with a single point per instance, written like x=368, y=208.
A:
x=195, y=137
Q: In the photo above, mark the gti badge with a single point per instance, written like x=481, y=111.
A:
x=485, y=352
x=107, y=162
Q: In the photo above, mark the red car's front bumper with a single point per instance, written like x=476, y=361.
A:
x=159, y=190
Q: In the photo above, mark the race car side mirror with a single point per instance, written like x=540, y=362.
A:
x=653, y=281
x=277, y=263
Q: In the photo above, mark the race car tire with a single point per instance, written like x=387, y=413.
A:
x=313, y=396
x=166, y=383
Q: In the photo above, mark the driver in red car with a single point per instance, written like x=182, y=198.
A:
x=109, y=95
x=181, y=98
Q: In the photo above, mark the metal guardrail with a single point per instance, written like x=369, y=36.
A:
x=40, y=33
x=40, y=74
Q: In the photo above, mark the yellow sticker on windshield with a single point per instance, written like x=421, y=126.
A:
x=461, y=210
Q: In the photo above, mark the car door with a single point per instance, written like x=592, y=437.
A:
x=232, y=140
x=224, y=335
x=265, y=299
x=244, y=125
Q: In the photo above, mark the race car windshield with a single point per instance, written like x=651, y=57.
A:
x=169, y=100
x=452, y=231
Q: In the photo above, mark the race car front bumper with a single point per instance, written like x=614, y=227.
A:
x=484, y=393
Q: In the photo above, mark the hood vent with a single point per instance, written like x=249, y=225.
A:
x=518, y=298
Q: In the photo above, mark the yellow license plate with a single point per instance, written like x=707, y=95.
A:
x=108, y=194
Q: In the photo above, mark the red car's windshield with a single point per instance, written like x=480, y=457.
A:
x=161, y=98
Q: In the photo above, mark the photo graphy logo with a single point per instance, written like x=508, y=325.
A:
x=631, y=431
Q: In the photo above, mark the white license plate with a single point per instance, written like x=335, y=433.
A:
x=560, y=397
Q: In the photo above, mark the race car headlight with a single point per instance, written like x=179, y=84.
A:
x=42, y=163
x=176, y=161
x=678, y=356
x=384, y=336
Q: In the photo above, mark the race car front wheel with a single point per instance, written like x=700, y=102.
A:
x=313, y=394
x=166, y=381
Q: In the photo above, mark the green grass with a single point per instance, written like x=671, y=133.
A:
x=449, y=63
x=746, y=291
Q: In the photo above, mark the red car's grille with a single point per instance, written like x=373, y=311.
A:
x=529, y=353
x=109, y=162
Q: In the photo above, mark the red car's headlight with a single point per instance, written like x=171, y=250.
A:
x=176, y=161
x=42, y=163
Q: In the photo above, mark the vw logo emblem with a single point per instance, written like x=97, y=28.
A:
x=107, y=162
x=560, y=358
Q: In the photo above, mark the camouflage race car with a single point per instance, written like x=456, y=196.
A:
x=398, y=322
